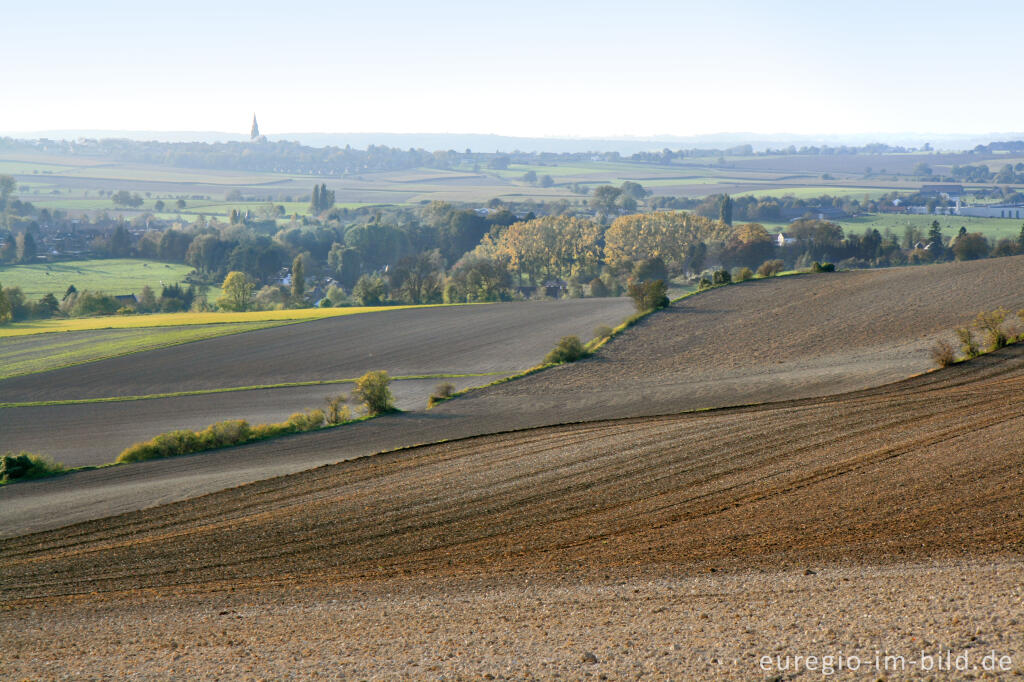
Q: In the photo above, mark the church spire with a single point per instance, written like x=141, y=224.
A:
x=255, y=134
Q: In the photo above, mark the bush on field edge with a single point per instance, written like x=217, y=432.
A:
x=219, y=435
x=990, y=325
x=26, y=466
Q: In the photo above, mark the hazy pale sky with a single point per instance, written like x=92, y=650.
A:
x=529, y=68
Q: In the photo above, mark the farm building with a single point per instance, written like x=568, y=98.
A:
x=993, y=211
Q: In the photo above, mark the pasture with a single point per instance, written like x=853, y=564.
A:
x=993, y=228
x=111, y=276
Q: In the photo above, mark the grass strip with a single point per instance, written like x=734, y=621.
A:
x=214, y=437
x=233, y=389
x=191, y=334
x=186, y=319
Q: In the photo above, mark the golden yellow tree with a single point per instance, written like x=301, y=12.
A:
x=663, y=235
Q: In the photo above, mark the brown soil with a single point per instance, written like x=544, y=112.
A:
x=884, y=520
x=765, y=340
x=921, y=469
x=615, y=523
x=503, y=338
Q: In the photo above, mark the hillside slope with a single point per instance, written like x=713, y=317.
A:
x=767, y=340
x=921, y=469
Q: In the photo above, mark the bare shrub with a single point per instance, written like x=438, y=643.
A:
x=742, y=274
x=770, y=268
x=441, y=393
x=306, y=421
x=943, y=353
x=991, y=324
x=224, y=433
x=968, y=344
x=337, y=410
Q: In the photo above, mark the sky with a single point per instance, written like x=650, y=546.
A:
x=524, y=68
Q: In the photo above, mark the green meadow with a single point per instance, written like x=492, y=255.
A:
x=111, y=276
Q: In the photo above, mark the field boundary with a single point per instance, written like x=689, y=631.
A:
x=231, y=389
x=157, y=320
x=272, y=324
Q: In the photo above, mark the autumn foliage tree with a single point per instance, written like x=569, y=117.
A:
x=237, y=290
x=551, y=246
x=658, y=235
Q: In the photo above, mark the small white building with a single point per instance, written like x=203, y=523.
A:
x=785, y=239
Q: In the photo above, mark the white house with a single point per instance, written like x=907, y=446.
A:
x=784, y=239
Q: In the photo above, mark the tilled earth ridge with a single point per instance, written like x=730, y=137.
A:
x=928, y=468
x=766, y=340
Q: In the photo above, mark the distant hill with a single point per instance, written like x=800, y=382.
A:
x=504, y=143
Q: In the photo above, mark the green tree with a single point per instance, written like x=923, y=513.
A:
x=298, y=279
x=173, y=245
x=120, y=242
x=477, y=279
x=26, y=245
x=126, y=199
x=971, y=246
x=9, y=251
x=725, y=213
x=346, y=263
x=372, y=391
x=314, y=203
x=648, y=295
x=603, y=198
x=7, y=186
x=935, y=240
x=237, y=294
x=46, y=307
x=147, y=299
x=5, y=307
x=370, y=290
x=207, y=254
x=417, y=279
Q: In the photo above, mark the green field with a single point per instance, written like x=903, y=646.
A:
x=111, y=276
x=993, y=228
x=815, y=192
x=33, y=353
